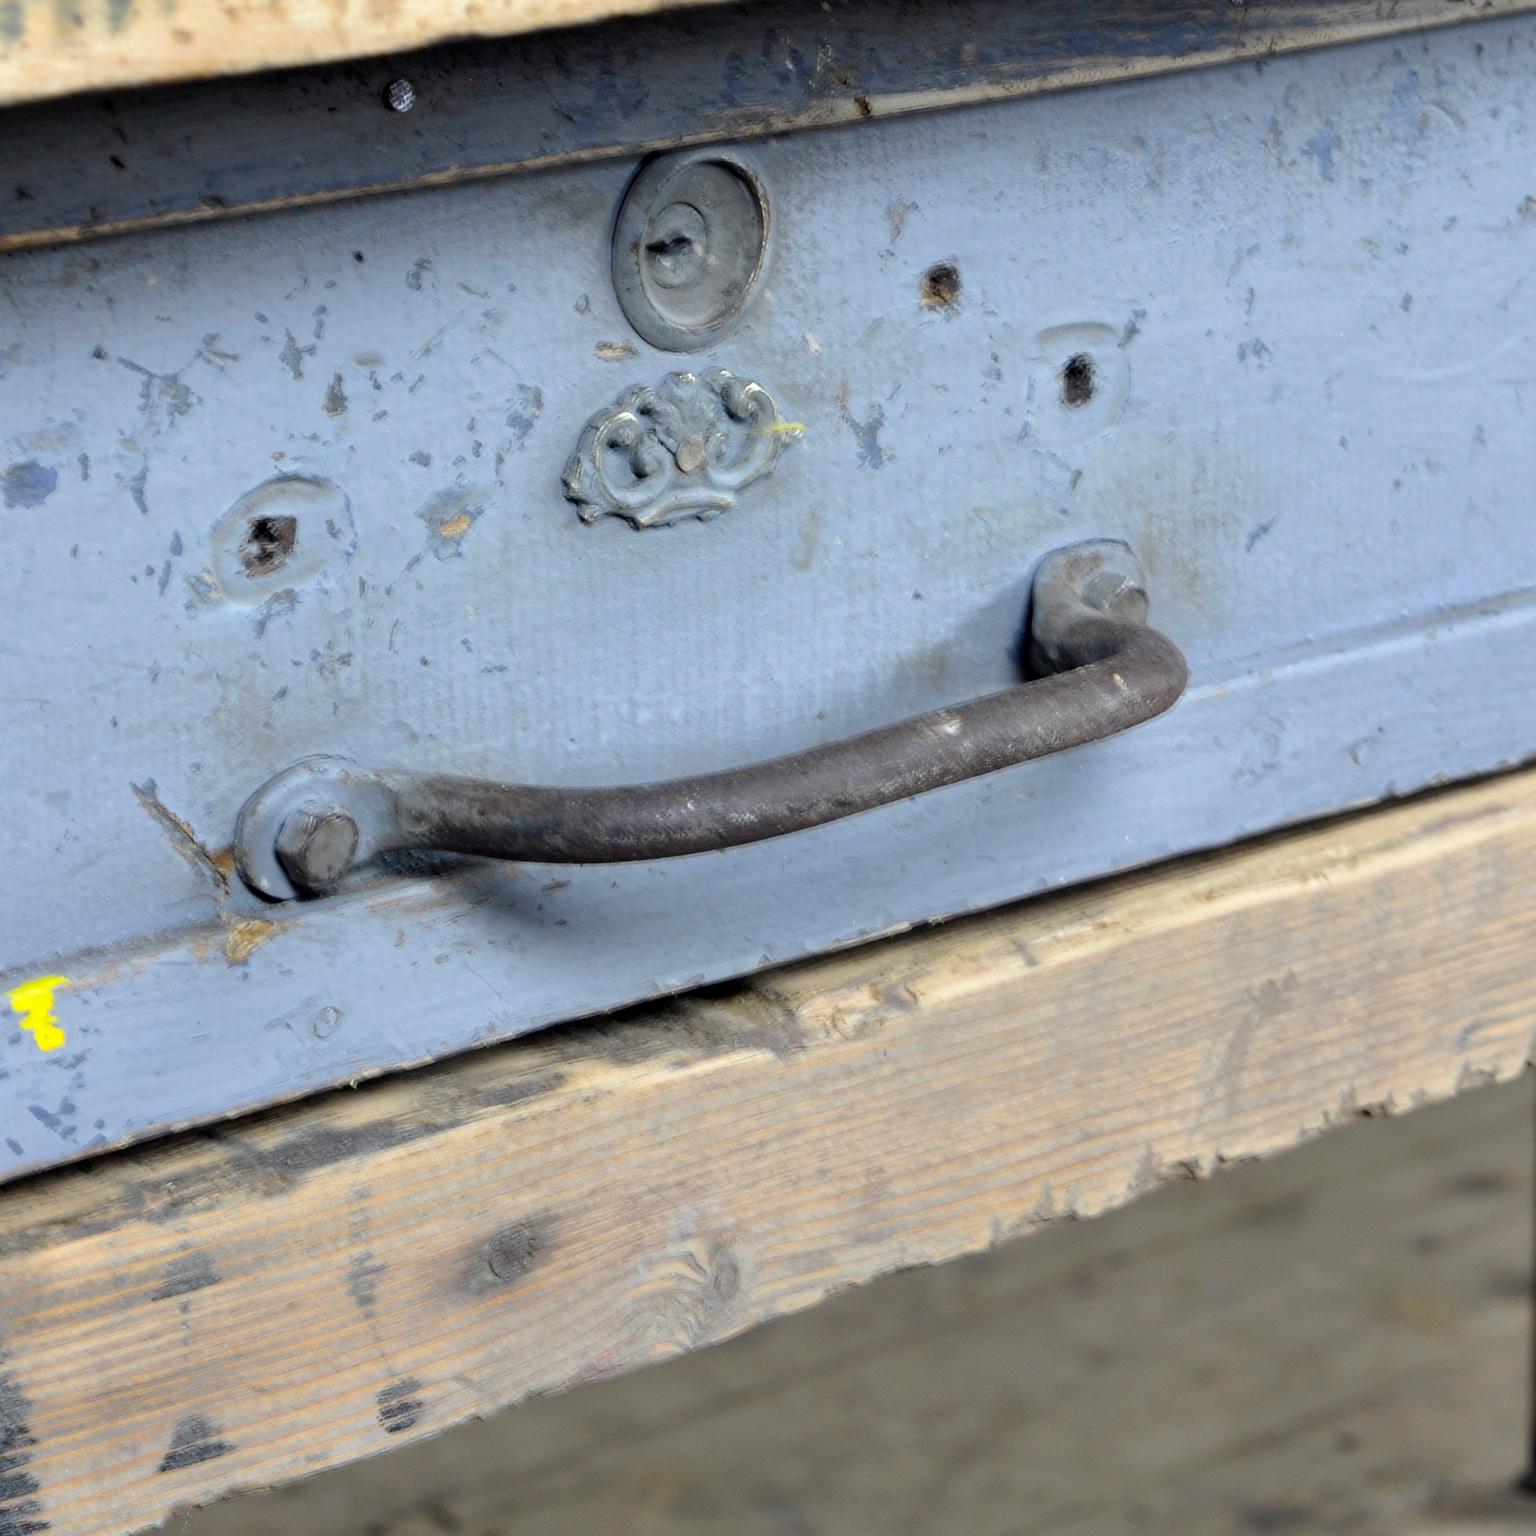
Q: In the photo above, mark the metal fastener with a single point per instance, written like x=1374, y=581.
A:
x=690, y=246
x=692, y=455
x=317, y=847
x=400, y=95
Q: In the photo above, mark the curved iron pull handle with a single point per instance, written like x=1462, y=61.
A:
x=1102, y=670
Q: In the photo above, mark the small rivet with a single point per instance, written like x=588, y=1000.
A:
x=400, y=95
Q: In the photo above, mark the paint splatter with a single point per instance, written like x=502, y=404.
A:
x=163, y=397
x=195, y=1439
x=867, y=435
x=449, y=516
x=1322, y=146
x=28, y=484
x=21, y=1511
x=292, y=356
x=186, y=1273
x=525, y=413
x=136, y=485
x=34, y=1000
x=398, y=1408
x=363, y=1276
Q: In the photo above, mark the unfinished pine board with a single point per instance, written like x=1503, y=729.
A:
x=49, y=49
x=1099, y=1380
x=238, y=1307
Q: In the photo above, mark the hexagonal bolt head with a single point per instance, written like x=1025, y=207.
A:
x=316, y=847
x=1118, y=595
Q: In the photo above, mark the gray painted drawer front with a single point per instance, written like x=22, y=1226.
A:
x=1307, y=294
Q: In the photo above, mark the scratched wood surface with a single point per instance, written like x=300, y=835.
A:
x=241, y=1306
x=1376, y=1281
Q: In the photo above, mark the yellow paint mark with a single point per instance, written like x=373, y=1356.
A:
x=784, y=429
x=615, y=351
x=33, y=1000
x=456, y=527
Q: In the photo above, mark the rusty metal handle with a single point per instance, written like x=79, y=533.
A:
x=1101, y=669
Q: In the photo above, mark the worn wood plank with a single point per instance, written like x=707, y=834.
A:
x=238, y=1307
x=107, y=164
x=48, y=49
x=1376, y=1281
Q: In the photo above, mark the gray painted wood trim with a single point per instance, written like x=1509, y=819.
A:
x=400, y=973
x=1310, y=283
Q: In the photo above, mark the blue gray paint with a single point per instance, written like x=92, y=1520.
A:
x=1322, y=147
x=1379, y=636
x=28, y=484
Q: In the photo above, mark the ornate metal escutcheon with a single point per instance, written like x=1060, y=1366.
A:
x=685, y=448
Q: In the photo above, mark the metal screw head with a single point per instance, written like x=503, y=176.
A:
x=400, y=95
x=316, y=847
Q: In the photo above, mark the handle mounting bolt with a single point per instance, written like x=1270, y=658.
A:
x=316, y=847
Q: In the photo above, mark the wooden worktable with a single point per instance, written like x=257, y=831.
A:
x=242, y=1305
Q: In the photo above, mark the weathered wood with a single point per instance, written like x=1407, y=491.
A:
x=110, y=164
x=242, y=1306
x=48, y=49
x=1376, y=1281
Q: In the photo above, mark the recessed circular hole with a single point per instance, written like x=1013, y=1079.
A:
x=279, y=534
x=941, y=286
x=1077, y=380
x=268, y=542
x=690, y=247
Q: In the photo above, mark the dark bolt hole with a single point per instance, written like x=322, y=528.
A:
x=941, y=286
x=1077, y=380
x=268, y=544
x=671, y=245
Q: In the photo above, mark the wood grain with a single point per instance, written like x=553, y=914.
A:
x=48, y=49
x=238, y=1307
x=1376, y=1281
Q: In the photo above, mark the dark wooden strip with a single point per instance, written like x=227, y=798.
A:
x=111, y=163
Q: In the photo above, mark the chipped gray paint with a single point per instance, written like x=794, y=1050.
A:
x=28, y=484
x=1336, y=524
